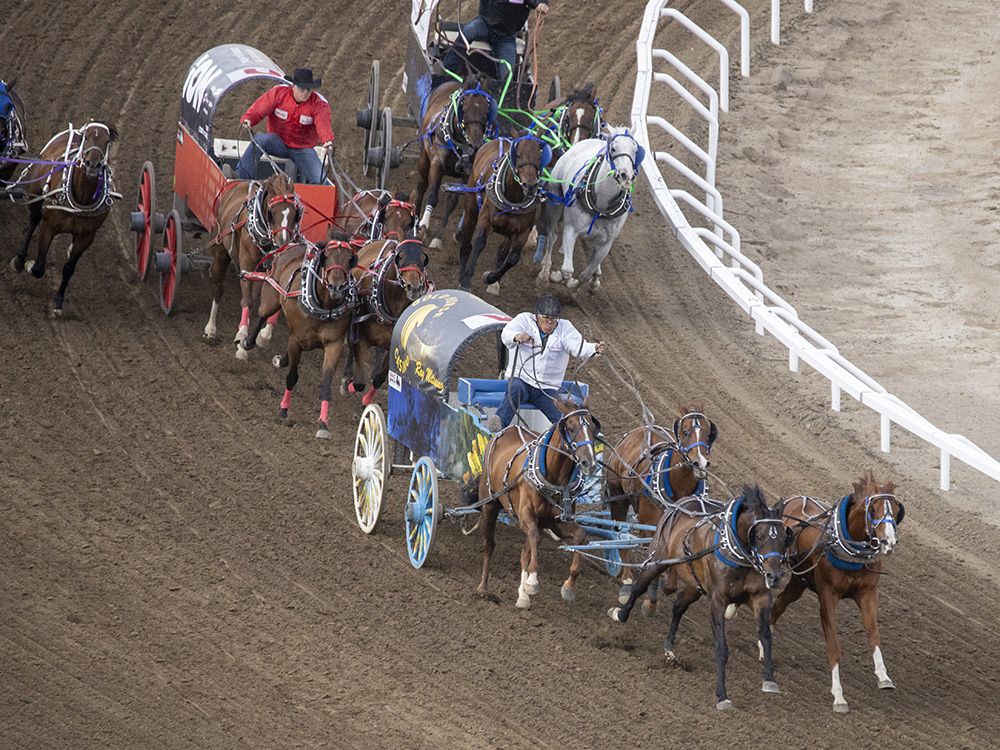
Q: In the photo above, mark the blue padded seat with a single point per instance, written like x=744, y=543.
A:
x=490, y=393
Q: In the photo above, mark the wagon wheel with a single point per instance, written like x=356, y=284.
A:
x=145, y=222
x=370, y=469
x=555, y=90
x=613, y=562
x=366, y=118
x=385, y=150
x=168, y=262
x=423, y=510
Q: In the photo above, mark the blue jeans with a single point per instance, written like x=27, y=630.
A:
x=519, y=392
x=309, y=167
x=504, y=46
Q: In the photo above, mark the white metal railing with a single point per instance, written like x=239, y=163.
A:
x=716, y=248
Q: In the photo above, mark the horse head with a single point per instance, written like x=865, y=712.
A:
x=882, y=512
x=397, y=216
x=579, y=428
x=281, y=208
x=96, y=142
x=624, y=154
x=411, y=262
x=581, y=115
x=766, y=538
x=475, y=112
x=339, y=258
x=529, y=155
x=695, y=434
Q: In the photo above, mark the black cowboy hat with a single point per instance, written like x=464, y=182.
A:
x=303, y=78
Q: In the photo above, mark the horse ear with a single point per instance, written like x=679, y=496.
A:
x=353, y=262
x=491, y=116
x=677, y=429
x=427, y=260
x=713, y=432
x=383, y=200
x=789, y=537
x=902, y=513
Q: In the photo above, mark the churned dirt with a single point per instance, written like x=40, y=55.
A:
x=177, y=569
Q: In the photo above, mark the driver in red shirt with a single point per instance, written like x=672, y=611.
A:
x=298, y=118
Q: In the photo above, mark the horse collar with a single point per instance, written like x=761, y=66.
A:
x=311, y=278
x=843, y=552
x=730, y=550
x=495, y=190
x=536, y=469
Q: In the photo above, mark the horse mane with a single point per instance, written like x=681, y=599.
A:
x=402, y=197
x=753, y=500
x=867, y=485
x=582, y=93
x=692, y=408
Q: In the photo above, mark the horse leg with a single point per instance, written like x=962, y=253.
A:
x=220, y=262
x=331, y=356
x=543, y=248
x=867, y=602
x=761, y=605
x=589, y=273
x=246, y=300
x=80, y=244
x=34, y=219
x=512, y=256
x=470, y=220
x=270, y=307
x=721, y=653
x=45, y=236
x=688, y=596
x=434, y=183
x=423, y=171
x=267, y=333
x=450, y=202
x=529, y=560
x=575, y=533
x=379, y=376
x=489, y=526
x=568, y=245
x=478, y=245
x=642, y=582
x=828, y=601
x=294, y=355
x=789, y=594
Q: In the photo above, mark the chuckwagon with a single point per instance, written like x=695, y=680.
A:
x=431, y=37
x=435, y=427
x=199, y=180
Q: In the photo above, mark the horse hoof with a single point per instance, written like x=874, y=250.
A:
x=623, y=594
x=282, y=414
x=556, y=277
x=17, y=264
x=30, y=267
x=648, y=608
x=57, y=312
x=886, y=684
x=531, y=589
x=209, y=335
x=615, y=614
x=523, y=601
x=595, y=285
x=487, y=596
x=242, y=354
x=276, y=361
x=568, y=594
x=726, y=705
x=436, y=243
x=670, y=655
x=572, y=283
x=770, y=686
x=731, y=611
x=264, y=337
x=494, y=289
x=543, y=276
x=840, y=708
x=323, y=434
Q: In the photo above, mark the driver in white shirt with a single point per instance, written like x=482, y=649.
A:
x=540, y=345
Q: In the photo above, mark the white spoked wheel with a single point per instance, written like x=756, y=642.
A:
x=370, y=467
x=423, y=510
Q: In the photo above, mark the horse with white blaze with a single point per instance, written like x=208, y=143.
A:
x=591, y=188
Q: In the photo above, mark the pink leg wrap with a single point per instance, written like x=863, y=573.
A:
x=273, y=320
x=351, y=388
x=324, y=410
x=368, y=397
x=245, y=317
x=287, y=400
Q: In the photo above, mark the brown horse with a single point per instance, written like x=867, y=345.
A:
x=838, y=555
x=651, y=468
x=502, y=197
x=13, y=135
x=578, y=116
x=390, y=274
x=315, y=289
x=252, y=219
x=359, y=218
x=533, y=478
x=72, y=194
x=458, y=119
x=736, y=555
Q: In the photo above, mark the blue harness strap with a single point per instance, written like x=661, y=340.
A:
x=544, y=448
x=833, y=559
x=661, y=468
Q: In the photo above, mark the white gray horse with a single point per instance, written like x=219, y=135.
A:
x=591, y=188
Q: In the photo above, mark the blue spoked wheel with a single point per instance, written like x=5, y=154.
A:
x=613, y=562
x=423, y=509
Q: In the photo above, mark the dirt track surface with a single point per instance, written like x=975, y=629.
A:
x=180, y=570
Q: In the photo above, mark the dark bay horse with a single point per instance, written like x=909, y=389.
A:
x=736, y=555
x=314, y=288
x=70, y=194
x=838, y=555
x=651, y=468
x=578, y=116
x=390, y=275
x=13, y=131
x=502, y=197
x=458, y=120
x=534, y=477
x=252, y=219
